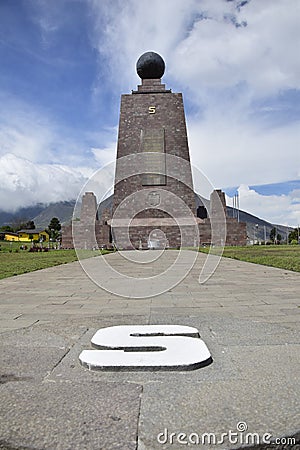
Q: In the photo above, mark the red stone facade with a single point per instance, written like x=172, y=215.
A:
x=153, y=182
x=154, y=201
x=148, y=112
x=159, y=231
x=89, y=232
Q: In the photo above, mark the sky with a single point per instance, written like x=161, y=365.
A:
x=65, y=63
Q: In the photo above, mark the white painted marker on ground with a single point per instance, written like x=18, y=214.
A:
x=142, y=347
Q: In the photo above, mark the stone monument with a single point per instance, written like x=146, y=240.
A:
x=152, y=153
x=153, y=204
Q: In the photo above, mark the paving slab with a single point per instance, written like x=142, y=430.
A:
x=248, y=316
x=70, y=415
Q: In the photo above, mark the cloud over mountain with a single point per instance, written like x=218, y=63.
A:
x=25, y=183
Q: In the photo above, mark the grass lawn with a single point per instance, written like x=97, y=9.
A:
x=282, y=256
x=14, y=261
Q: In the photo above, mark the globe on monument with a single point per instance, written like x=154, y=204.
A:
x=150, y=65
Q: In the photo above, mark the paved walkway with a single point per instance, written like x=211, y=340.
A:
x=248, y=316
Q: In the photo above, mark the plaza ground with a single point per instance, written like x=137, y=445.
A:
x=247, y=314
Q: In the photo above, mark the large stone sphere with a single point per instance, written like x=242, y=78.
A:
x=150, y=65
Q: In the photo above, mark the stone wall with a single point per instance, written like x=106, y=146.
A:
x=153, y=183
x=143, y=229
x=153, y=108
x=89, y=232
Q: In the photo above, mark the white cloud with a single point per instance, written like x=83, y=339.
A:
x=31, y=131
x=295, y=196
x=201, y=43
x=231, y=154
x=125, y=30
x=225, y=72
x=277, y=209
x=40, y=161
x=262, y=54
x=23, y=131
x=106, y=154
x=223, y=69
x=24, y=183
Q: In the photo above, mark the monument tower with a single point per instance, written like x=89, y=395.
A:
x=153, y=182
x=153, y=204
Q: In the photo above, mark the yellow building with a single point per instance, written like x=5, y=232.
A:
x=27, y=236
x=8, y=236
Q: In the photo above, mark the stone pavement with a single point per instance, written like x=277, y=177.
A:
x=248, y=316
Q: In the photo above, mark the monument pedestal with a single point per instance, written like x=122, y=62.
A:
x=153, y=182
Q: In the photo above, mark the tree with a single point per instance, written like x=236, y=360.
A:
x=294, y=235
x=23, y=224
x=54, y=228
x=54, y=224
x=274, y=236
x=29, y=225
x=6, y=228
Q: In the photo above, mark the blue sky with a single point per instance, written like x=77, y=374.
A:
x=65, y=63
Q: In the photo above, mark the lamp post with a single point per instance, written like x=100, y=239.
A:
x=256, y=233
x=51, y=236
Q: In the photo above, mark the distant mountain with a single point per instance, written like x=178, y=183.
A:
x=62, y=210
x=41, y=214
x=257, y=228
x=22, y=215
